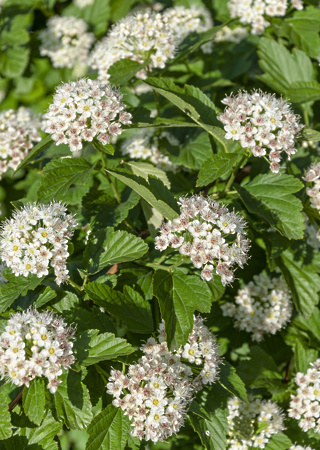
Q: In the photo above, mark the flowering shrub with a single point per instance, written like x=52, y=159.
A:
x=159, y=224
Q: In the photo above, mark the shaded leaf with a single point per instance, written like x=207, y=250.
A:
x=179, y=297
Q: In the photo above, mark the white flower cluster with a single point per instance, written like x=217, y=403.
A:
x=137, y=37
x=245, y=418
x=144, y=146
x=83, y=110
x=83, y=3
x=35, y=344
x=66, y=41
x=35, y=237
x=299, y=447
x=18, y=132
x=262, y=306
x=305, y=406
x=204, y=232
x=201, y=349
x=261, y=122
x=158, y=389
x=253, y=11
x=227, y=34
x=183, y=21
x=313, y=176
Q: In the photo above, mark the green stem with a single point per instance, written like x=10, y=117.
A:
x=234, y=174
x=102, y=373
x=305, y=116
x=75, y=286
x=106, y=175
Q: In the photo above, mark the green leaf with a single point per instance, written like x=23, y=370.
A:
x=43, y=435
x=193, y=102
x=34, y=152
x=107, y=148
x=109, y=430
x=97, y=14
x=194, y=41
x=155, y=192
x=91, y=347
x=311, y=325
x=129, y=306
x=302, y=280
x=107, y=247
x=72, y=401
x=304, y=91
x=192, y=153
x=260, y=371
x=33, y=401
x=278, y=441
x=14, y=61
x=310, y=135
x=60, y=174
x=210, y=419
x=122, y=71
x=304, y=29
x=217, y=166
x=144, y=170
x=179, y=297
x=141, y=119
x=231, y=381
x=281, y=67
x=16, y=286
x=270, y=196
x=303, y=356
x=46, y=296
x=5, y=417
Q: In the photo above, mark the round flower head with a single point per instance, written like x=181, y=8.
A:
x=262, y=306
x=84, y=110
x=183, y=21
x=137, y=37
x=66, y=41
x=313, y=176
x=253, y=12
x=35, y=344
x=211, y=235
x=245, y=418
x=36, y=238
x=18, y=132
x=305, y=405
x=261, y=123
x=155, y=393
x=201, y=349
x=144, y=145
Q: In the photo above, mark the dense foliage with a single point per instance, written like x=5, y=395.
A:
x=159, y=245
